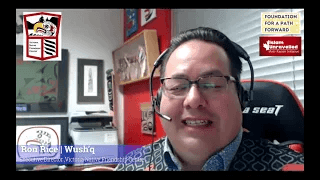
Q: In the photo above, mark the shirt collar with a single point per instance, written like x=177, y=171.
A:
x=171, y=160
x=218, y=161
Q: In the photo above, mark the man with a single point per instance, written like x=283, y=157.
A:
x=200, y=78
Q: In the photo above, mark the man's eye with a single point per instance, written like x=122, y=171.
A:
x=208, y=86
x=178, y=87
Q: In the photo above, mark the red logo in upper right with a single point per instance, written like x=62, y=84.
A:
x=280, y=46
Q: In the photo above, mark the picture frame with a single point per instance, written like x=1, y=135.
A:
x=147, y=121
x=131, y=25
x=147, y=15
x=90, y=81
x=41, y=86
x=134, y=60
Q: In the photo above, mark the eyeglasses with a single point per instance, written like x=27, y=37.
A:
x=209, y=86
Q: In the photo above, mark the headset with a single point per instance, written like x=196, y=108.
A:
x=245, y=96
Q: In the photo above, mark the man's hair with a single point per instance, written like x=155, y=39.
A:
x=208, y=35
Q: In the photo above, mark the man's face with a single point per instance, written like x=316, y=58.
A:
x=192, y=60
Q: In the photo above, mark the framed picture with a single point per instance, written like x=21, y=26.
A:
x=41, y=86
x=134, y=60
x=147, y=15
x=131, y=25
x=147, y=121
x=90, y=81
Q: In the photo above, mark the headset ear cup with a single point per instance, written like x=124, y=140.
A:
x=158, y=98
x=240, y=92
x=243, y=97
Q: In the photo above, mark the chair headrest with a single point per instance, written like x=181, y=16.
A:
x=275, y=113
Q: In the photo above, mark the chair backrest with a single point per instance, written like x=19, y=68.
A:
x=275, y=113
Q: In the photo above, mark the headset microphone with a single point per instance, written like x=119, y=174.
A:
x=156, y=64
x=163, y=116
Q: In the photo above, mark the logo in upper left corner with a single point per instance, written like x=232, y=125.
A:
x=42, y=36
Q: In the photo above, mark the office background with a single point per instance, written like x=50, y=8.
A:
x=95, y=33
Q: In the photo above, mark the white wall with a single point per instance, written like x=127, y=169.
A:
x=221, y=19
x=86, y=33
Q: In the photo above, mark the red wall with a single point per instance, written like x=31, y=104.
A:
x=137, y=93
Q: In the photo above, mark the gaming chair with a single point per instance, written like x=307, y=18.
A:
x=275, y=113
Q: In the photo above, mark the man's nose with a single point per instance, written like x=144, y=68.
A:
x=194, y=98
